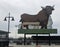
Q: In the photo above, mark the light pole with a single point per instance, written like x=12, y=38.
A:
x=8, y=24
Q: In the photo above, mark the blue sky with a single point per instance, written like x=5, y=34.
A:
x=18, y=7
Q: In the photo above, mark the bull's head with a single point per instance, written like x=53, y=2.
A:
x=49, y=9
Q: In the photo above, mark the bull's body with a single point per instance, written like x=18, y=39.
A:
x=31, y=18
x=41, y=17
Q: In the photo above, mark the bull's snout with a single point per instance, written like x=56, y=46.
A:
x=52, y=8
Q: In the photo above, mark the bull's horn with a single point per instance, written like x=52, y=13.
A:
x=42, y=7
x=53, y=6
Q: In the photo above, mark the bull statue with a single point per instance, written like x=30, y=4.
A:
x=41, y=17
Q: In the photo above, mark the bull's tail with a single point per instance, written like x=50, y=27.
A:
x=20, y=20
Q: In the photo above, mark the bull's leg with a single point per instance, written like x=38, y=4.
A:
x=42, y=24
x=27, y=27
x=45, y=27
x=21, y=27
x=42, y=27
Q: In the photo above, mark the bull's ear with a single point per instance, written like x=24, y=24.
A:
x=42, y=7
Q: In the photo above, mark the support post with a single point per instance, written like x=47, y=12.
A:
x=49, y=40
x=36, y=40
x=24, y=39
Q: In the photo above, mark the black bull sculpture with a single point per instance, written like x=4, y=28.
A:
x=41, y=17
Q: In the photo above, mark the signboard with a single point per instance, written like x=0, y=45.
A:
x=37, y=31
